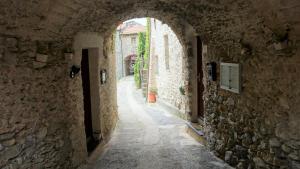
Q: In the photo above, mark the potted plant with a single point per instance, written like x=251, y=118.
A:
x=152, y=95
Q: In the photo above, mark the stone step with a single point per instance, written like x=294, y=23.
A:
x=195, y=131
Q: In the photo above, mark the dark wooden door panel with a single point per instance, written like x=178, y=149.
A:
x=199, y=78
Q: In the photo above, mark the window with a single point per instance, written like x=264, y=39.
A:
x=133, y=45
x=133, y=40
x=166, y=45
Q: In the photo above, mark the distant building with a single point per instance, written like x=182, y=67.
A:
x=126, y=43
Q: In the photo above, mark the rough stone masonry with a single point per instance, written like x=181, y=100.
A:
x=41, y=108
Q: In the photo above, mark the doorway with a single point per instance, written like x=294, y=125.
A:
x=91, y=142
x=200, y=86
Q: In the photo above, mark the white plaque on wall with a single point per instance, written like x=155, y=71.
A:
x=230, y=77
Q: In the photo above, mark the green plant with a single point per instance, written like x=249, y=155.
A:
x=181, y=90
x=147, y=44
x=136, y=69
x=138, y=63
x=141, y=44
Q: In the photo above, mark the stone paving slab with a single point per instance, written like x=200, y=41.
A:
x=146, y=137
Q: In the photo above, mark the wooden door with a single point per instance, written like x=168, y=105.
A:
x=200, y=87
x=91, y=143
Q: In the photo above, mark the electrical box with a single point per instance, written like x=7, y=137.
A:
x=230, y=77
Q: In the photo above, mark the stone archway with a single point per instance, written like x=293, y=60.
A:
x=186, y=35
x=42, y=106
x=129, y=62
x=108, y=114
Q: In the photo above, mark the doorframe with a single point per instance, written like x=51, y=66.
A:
x=94, y=77
x=197, y=54
x=84, y=40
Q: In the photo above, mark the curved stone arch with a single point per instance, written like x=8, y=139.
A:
x=185, y=33
x=177, y=23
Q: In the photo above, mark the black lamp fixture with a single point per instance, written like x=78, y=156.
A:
x=74, y=70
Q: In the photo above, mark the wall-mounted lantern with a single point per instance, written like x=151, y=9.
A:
x=74, y=70
x=103, y=76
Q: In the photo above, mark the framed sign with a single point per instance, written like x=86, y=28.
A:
x=230, y=77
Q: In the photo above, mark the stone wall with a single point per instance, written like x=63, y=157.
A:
x=124, y=48
x=255, y=129
x=119, y=55
x=108, y=91
x=129, y=48
x=42, y=117
x=33, y=124
x=168, y=80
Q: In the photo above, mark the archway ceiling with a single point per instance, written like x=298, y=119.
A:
x=49, y=19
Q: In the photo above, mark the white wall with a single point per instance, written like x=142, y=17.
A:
x=168, y=80
x=94, y=43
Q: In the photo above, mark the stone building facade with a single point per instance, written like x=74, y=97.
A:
x=126, y=42
x=167, y=72
x=42, y=107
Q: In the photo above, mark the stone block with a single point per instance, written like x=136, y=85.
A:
x=6, y=136
x=38, y=65
x=12, y=44
x=1, y=147
x=41, y=58
x=10, y=153
x=295, y=164
x=19, y=160
x=42, y=133
x=68, y=57
x=10, y=58
x=280, y=45
x=294, y=156
x=228, y=155
x=9, y=142
x=259, y=162
x=274, y=142
x=286, y=148
x=281, y=130
x=2, y=53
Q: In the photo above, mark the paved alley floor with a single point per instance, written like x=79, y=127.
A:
x=147, y=137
